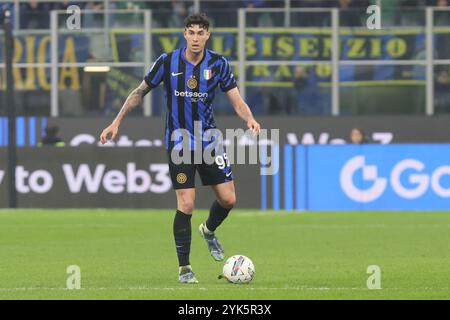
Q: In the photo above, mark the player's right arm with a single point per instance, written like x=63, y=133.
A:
x=151, y=80
x=133, y=100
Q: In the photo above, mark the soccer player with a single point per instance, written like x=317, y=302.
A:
x=191, y=76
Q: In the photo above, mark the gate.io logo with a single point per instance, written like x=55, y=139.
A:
x=369, y=173
x=408, y=179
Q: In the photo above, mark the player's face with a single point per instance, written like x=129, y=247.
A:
x=196, y=38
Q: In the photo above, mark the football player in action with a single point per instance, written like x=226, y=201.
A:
x=191, y=76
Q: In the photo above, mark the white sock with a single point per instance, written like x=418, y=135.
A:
x=206, y=230
x=183, y=267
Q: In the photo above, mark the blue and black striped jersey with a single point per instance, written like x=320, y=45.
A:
x=190, y=89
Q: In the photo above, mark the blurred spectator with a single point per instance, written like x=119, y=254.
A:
x=441, y=18
x=7, y=7
x=95, y=17
x=258, y=19
x=409, y=14
x=169, y=14
x=35, y=15
x=300, y=83
x=309, y=3
x=309, y=19
x=357, y=136
x=310, y=100
x=411, y=3
x=161, y=13
x=63, y=5
x=130, y=5
x=388, y=12
x=255, y=3
x=279, y=100
x=300, y=77
x=350, y=14
x=223, y=14
x=179, y=13
x=132, y=17
x=442, y=91
x=51, y=137
x=95, y=5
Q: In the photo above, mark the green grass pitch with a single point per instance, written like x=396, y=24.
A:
x=129, y=254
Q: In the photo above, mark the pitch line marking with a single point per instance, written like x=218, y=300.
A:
x=219, y=288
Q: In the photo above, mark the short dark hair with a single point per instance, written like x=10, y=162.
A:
x=199, y=19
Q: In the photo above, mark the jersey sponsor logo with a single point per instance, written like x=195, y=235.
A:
x=176, y=74
x=188, y=94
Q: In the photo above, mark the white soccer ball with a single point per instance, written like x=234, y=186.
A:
x=239, y=269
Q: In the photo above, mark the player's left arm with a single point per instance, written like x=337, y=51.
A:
x=242, y=109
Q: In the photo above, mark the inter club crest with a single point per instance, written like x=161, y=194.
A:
x=192, y=83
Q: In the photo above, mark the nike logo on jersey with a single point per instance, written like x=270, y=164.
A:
x=176, y=74
x=228, y=174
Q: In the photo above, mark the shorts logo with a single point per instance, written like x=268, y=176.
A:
x=192, y=83
x=181, y=178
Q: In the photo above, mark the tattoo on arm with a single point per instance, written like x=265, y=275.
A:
x=133, y=100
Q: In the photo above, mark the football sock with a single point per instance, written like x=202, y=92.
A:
x=217, y=214
x=182, y=235
x=184, y=269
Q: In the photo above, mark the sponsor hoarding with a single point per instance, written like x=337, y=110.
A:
x=360, y=177
x=51, y=177
x=149, y=132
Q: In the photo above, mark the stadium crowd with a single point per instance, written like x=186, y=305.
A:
x=34, y=14
x=306, y=98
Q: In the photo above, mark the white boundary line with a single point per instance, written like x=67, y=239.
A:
x=231, y=288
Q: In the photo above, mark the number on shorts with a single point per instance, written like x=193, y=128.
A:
x=222, y=161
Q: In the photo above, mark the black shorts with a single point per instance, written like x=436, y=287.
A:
x=183, y=174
